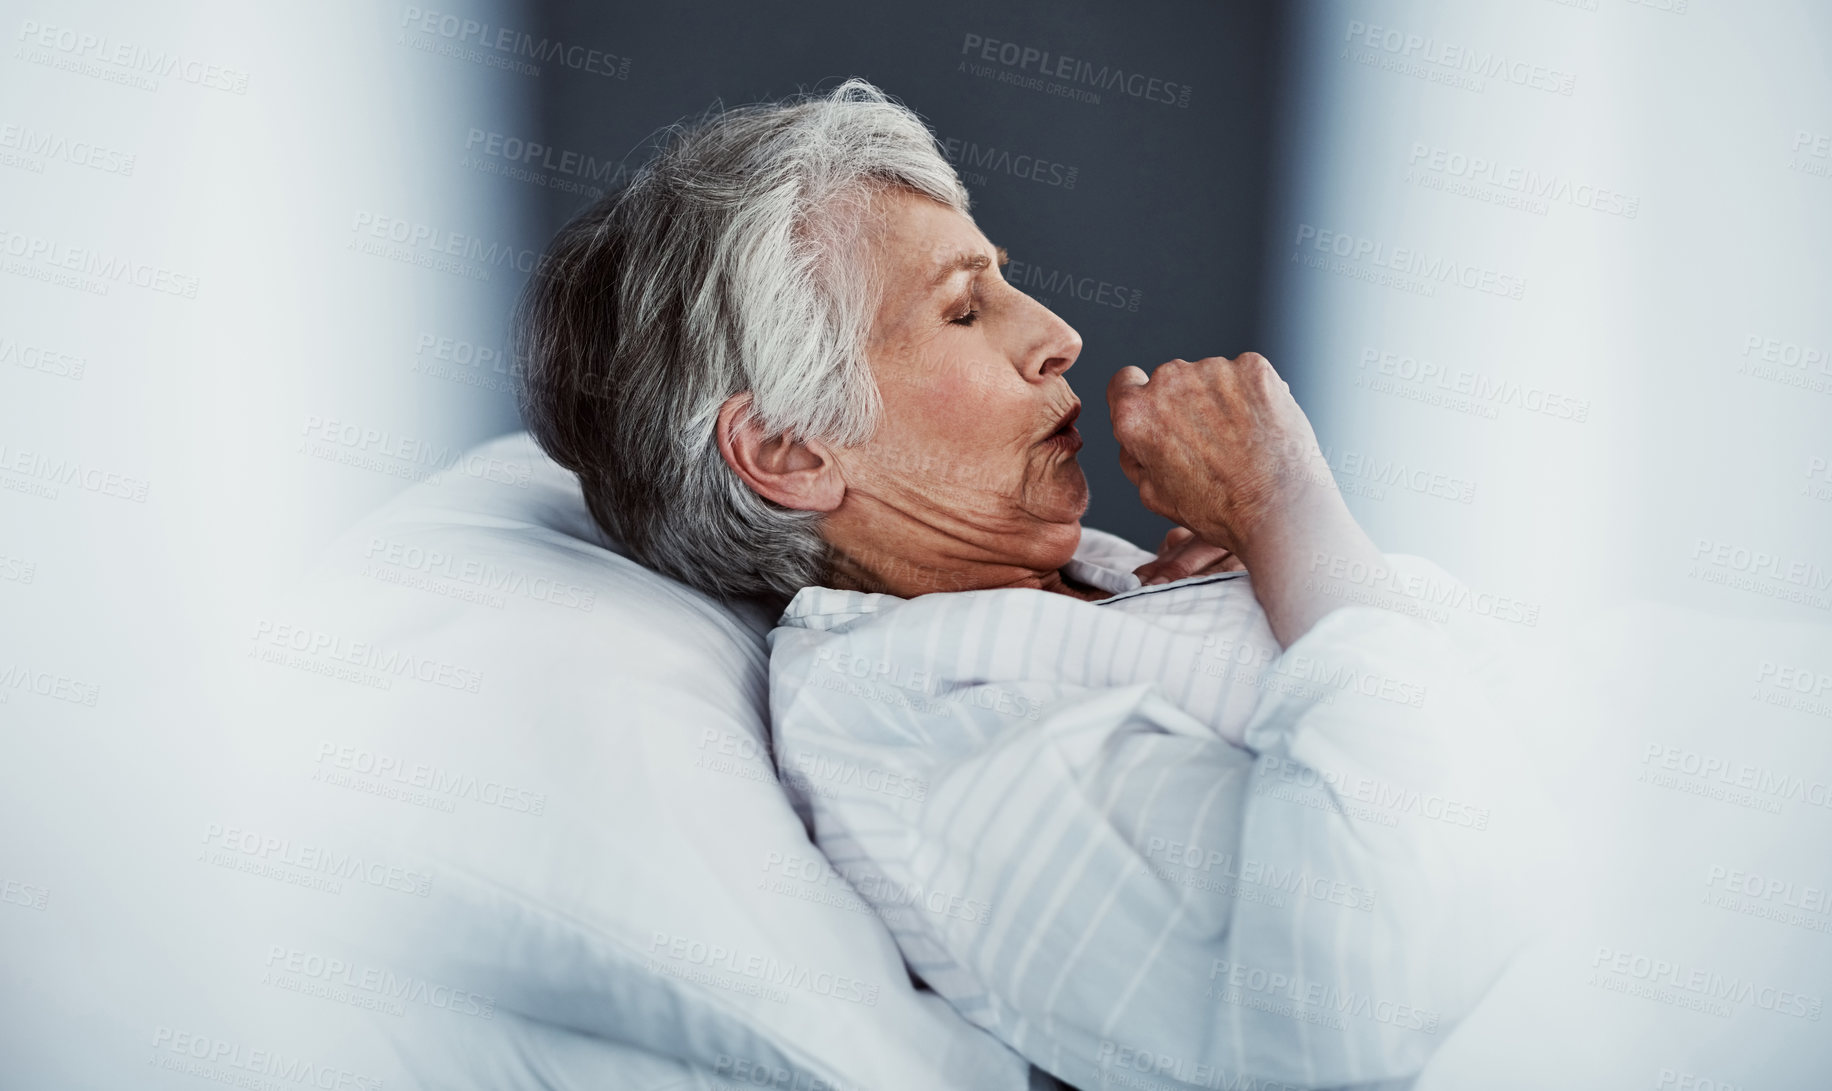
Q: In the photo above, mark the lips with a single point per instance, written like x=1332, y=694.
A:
x=1067, y=422
x=1065, y=436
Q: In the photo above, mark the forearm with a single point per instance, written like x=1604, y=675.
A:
x=1280, y=553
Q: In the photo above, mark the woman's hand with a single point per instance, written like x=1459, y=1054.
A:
x=1184, y=555
x=1221, y=447
x=1218, y=445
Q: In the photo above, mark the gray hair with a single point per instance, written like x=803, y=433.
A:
x=731, y=263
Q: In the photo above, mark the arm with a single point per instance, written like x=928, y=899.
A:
x=1280, y=553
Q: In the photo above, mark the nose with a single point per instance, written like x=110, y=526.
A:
x=1052, y=345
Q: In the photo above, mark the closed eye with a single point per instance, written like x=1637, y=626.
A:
x=971, y=302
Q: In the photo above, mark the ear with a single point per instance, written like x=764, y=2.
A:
x=799, y=474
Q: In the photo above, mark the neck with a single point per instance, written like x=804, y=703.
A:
x=911, y=571
x=934, y=548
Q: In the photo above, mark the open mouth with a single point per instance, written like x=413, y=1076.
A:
x=1066, y=436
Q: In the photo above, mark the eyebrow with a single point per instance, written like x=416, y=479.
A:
x=967, y=260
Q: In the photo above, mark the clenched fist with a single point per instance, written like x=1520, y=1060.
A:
x=1220, y=447
x=1217, y=445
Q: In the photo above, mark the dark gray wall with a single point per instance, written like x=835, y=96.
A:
x=1163, y=201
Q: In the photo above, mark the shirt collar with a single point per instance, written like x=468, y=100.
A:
x=1097, y=562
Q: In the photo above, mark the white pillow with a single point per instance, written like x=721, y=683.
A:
x=553, y=764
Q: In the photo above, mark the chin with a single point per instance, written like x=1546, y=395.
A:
x=1067, y=499
x=1079, y=507
x=1056, y=504
x=1056, y=543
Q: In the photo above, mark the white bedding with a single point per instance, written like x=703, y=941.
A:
x=598, y=683
x=1135, y=842
x=564, y=756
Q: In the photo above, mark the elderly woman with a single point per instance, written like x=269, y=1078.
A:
x=1131, y=814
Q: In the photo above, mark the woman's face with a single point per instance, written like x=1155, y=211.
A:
x=970, y=370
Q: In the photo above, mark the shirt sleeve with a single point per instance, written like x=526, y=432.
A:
x=1120, y=895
